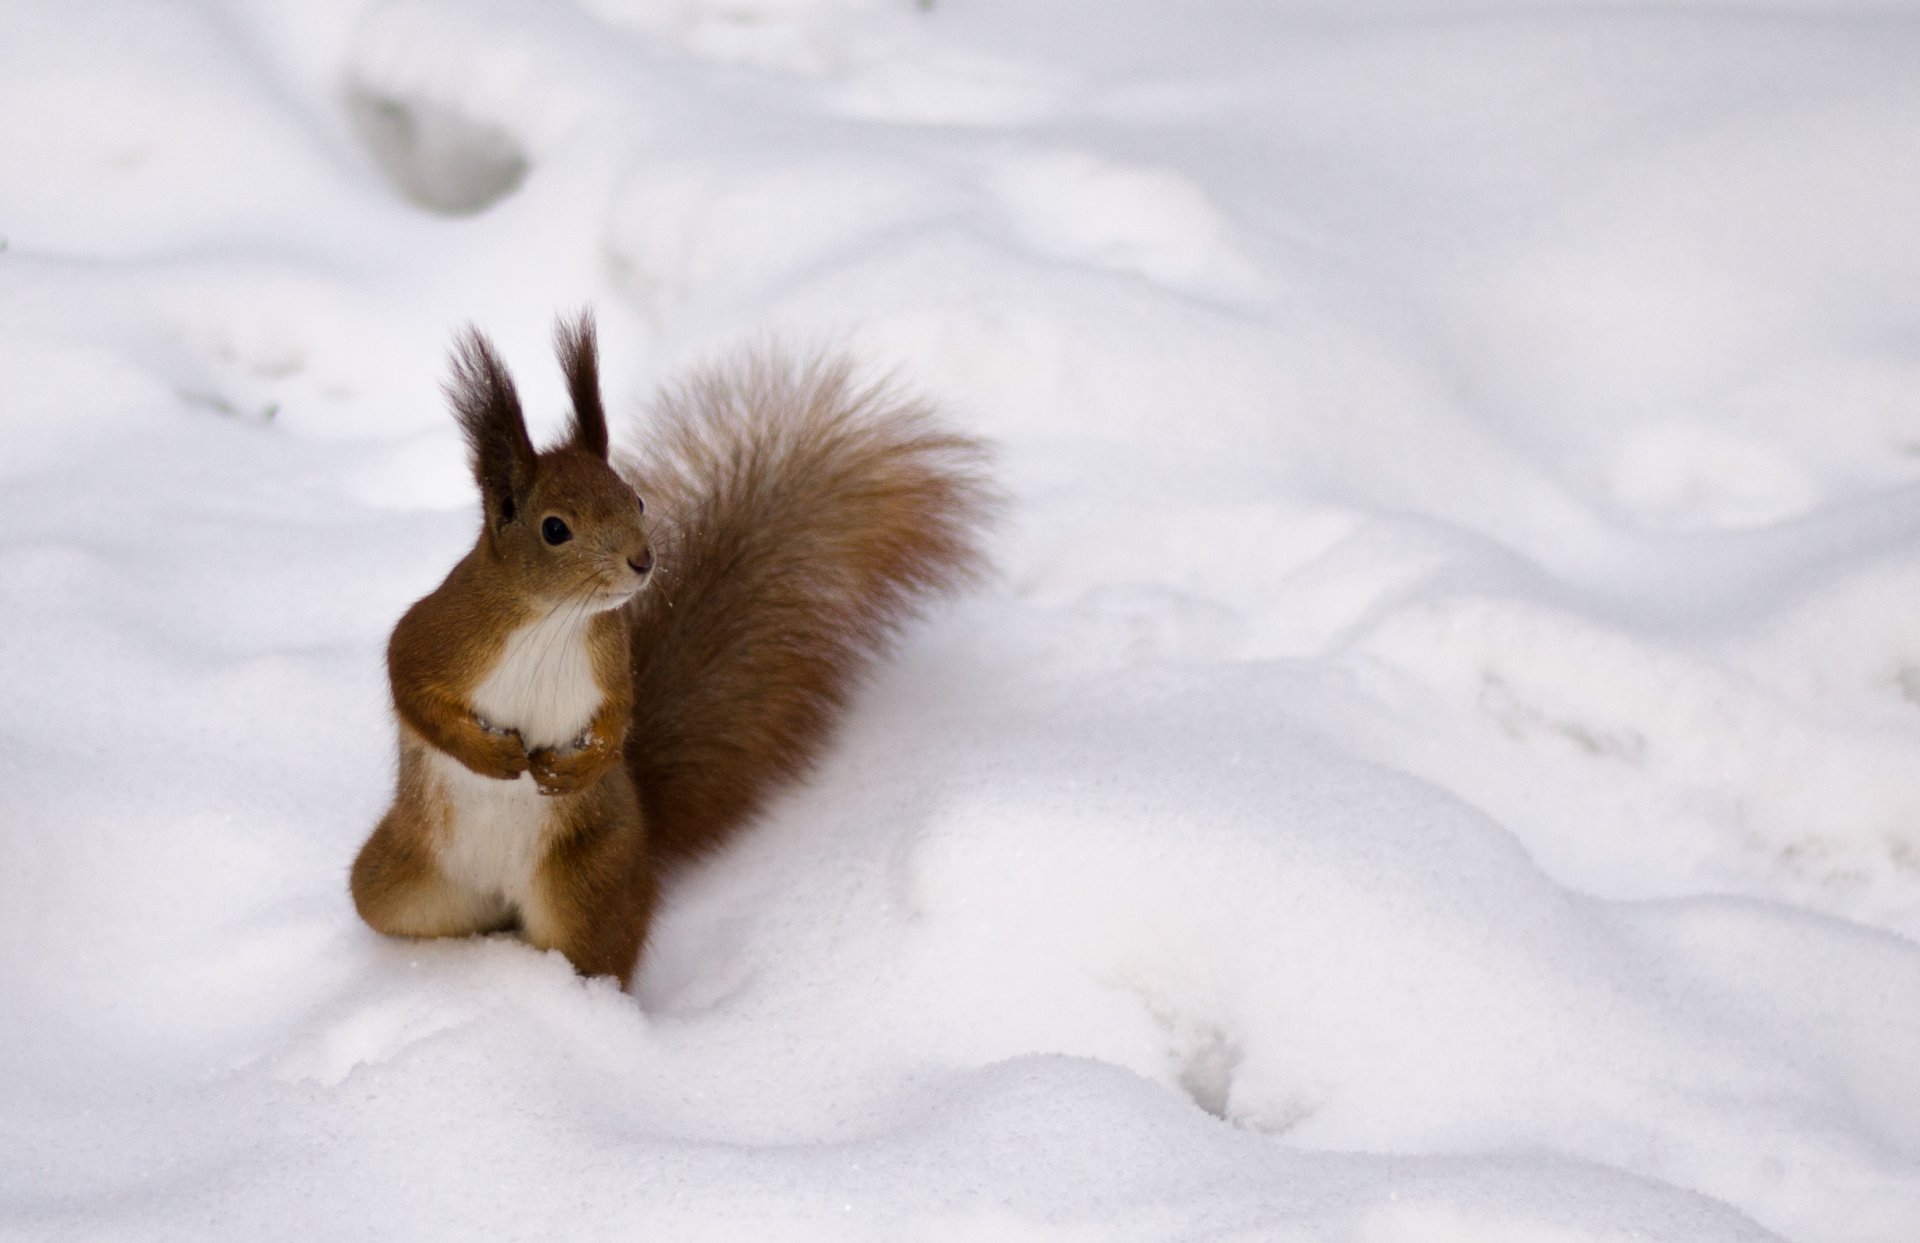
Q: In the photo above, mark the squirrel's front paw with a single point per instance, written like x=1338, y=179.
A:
x=503, y=757
x=570, y=770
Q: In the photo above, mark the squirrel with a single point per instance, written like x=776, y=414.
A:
x=578, y=716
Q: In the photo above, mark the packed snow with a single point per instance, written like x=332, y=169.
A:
x=1439, y=761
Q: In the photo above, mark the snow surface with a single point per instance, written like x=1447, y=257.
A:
x=1441, y=763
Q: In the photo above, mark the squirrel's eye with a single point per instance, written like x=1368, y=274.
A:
x=639, y=503
x=554, y=531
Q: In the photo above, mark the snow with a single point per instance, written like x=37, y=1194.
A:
x=1437, y=764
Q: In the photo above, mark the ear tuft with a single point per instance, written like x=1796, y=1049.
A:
x=488, y=409
x=580, y=360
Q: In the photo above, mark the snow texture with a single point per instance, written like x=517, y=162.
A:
x=1440, y=764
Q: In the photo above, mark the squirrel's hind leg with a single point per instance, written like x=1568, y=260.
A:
x=593, y=895
x=399, y=889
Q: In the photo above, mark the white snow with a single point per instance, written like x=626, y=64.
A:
x=1441, y=763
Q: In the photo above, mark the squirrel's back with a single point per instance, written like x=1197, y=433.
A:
x=806, y=516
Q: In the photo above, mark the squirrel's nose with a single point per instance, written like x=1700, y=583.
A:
x=642, y=563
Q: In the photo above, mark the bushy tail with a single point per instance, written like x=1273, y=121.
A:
x=805, y=519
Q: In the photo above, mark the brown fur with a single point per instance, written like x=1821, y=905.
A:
x=807, y=518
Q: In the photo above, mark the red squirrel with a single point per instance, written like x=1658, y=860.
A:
x=579, y=710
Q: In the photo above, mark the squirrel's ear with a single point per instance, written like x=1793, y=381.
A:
x=489, y=412
x=579, y=359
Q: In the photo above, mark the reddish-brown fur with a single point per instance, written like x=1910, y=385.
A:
x=804, y=518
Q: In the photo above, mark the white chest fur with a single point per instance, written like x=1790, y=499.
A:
x=543, y=685
x=544, y=688
x=495, y=829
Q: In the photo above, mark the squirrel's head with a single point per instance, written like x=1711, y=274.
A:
x=561, y=523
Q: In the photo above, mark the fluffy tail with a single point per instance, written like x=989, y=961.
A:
x=807, y=517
